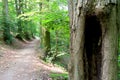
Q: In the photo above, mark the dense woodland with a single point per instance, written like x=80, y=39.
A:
x=27, y=19
x=89, y=27
x=47, y=20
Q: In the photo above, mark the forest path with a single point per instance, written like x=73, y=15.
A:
x=23, y=64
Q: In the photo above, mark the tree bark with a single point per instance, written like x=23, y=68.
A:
x=118, y=24
x=45, y=41
x=45, y=36
x=18, y=5
x=6, y=29
x=94, y=40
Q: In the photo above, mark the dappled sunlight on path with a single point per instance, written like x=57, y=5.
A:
x=23, y=64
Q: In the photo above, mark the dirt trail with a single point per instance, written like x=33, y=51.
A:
x=23, y=64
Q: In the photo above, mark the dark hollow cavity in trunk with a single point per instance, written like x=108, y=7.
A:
x=92, y=45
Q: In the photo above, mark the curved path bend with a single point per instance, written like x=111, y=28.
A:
x=23, y=64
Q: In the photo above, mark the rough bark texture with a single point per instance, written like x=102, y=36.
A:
x=94, y=39
x=118, y=24
x=110, y=47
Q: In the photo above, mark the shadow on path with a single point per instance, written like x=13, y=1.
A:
x=23, y=64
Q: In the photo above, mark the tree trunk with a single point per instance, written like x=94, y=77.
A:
x=41, y=28
x=6, y=29
x=18, y=5
x=94, y=40
x=118, y=23
x=45, y=37
x=46, y=41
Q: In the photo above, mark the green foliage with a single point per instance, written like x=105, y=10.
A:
x=7, y=29
x=55, y=19
x=59, y=76
x=52, y=15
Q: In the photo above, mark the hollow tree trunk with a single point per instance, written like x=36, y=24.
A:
x=94, y=40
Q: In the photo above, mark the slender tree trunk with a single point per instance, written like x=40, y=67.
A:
x=6, y=33
x=41, y=29
x=18, y=5
x=94, y=40
x=45, y=37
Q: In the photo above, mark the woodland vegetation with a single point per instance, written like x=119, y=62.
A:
x=26, y=19
x=30, y=19
x=57, y=23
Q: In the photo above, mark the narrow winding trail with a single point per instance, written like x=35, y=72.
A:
x=23, y=64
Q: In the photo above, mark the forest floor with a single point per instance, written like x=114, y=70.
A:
x=22, y=63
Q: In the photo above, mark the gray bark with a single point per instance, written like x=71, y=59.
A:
x=5, y=7
x=100, y=61
x=18, y=5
